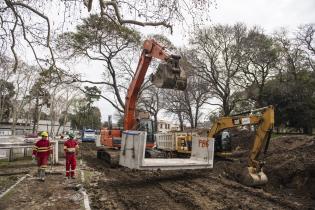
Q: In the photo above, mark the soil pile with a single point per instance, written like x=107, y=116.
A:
x=122, y=188
x=291, y=166
x=242, y=139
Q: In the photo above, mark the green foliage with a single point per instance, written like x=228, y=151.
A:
x=92, y=94
x=120, y=122
x=6, y=94
x=97, y=31
x=86, y=117
x=294, y=100
x=260, y=49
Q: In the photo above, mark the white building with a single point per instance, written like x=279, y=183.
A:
x=47, y=125
x=22, y=127
x=175, y=127
x=164, y=126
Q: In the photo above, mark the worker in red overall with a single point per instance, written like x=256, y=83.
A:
x=71, y=148
x=41, y=151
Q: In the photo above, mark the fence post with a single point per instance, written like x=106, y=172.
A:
x=11, y=154
x=56, y=151
x=25, y=151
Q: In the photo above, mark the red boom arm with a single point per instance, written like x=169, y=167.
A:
x=150, y=49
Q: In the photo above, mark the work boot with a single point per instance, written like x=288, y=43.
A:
x=38, y=173
x=43, y=175
x=72, y=177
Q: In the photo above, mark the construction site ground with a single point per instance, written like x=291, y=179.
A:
x=290, y=166
x=55, y=193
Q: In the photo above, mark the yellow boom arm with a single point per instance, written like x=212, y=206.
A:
x=264, y=119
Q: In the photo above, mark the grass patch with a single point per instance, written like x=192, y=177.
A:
x=275, y=135
x=7, y=181
x=19, y=163
x=87, y=176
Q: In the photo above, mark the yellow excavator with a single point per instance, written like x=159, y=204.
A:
x=263, y=118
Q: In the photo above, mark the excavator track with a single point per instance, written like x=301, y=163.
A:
x=109, y=155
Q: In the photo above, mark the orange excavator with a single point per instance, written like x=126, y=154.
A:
x=169, y=75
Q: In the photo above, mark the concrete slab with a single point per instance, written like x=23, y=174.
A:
x=174, y=164
x=132, y=154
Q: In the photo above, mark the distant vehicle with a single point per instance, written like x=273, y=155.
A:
x=88, y=135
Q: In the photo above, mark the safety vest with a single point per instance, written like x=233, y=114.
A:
x=42, y=148
x=70, y=146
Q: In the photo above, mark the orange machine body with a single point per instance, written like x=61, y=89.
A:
x=111, y=137
x=151, y=49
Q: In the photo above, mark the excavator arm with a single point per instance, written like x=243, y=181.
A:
x=264, y=119
x=168, y=75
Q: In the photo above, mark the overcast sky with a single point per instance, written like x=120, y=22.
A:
x=269, y=14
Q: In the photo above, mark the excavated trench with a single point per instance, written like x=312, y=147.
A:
x=289, y=166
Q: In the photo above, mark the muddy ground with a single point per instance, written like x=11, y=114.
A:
x=56, y=193
x=289, y=165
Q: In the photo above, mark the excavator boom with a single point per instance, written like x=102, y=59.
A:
x=168, y=75
x=264, y=119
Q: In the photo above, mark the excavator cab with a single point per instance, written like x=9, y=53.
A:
x=169, y=75
x=263, y=119
x=222, y=143
x=148, y=126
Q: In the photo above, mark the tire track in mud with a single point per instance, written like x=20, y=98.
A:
x=180, y=194
x=122, y=188
x=264, y=196
x=227, y=198
x=128, y=190
x=236, y=193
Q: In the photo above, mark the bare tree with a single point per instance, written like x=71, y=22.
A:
x=306, y=36
x=292, y=57
x=28, y=22
x=151, y=101
x=61, y=99
x=23, y=81
x=173, y=104
x=99, y=39
x=260, y=59
x=219, y=60
x=6, y=88
x=154, y=12
x=187, y=105
x=21, y=21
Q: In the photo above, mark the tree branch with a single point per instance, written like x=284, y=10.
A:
x=121, y=21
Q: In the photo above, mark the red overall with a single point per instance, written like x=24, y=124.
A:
x=70, y=147
x=42, y=149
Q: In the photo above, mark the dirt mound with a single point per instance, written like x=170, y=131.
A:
x=241, y=138
x=291, y=166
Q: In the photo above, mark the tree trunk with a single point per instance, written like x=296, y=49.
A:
x=65, y=120
x=308, y=130
x=196, y=115
x=58, y=129
x=181, y=122
x=155, y=122
x=13, y=128
x=35, y=115
x=226, y=108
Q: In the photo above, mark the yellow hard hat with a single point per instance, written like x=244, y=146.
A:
x=44, y=133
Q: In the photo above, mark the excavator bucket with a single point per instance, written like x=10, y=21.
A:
x=252, y=177
x=169, y=75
